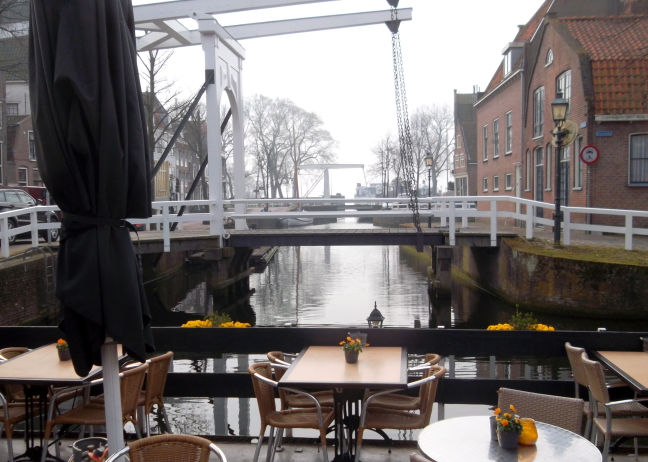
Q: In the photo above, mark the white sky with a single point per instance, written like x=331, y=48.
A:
x=346, y=75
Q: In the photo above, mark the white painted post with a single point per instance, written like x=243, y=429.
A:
x=238, y=125
x=628, y=232
x=451, y=223
x=493, y=223
x=464, y=219
x=112, y=396
x=166, y=237
x=212, y=95
x=566, y=227
x=4, y=241
x=443, y=217
x=529, y=221
x=33, y=221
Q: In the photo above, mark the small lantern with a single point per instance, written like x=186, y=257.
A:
x=429, y=161
x=376, y=318
x=559, y=109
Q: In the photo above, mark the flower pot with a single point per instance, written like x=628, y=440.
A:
x=64, y=355
x=507, y=440
x=493, y=427
x=351, y=357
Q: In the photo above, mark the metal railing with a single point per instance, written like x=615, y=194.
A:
x=449, y=210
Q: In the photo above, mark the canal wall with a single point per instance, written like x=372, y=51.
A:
x=551, y=284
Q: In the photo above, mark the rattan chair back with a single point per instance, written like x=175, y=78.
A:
x=562, y=412
x=170, y=448
x=596, y=380
x=156, y=378
x=13, y=393
x=432, y=359
x=428, y=392
x=130, y=385
x=263, y=392
x=575, y=361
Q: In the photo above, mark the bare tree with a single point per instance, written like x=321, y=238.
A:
x=432, y=131
x=195, y=137
x=14, y=40
x=386, y=151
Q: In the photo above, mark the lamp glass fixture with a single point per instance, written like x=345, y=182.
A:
x=559, y=109
x=429, y=161
x=375, y=319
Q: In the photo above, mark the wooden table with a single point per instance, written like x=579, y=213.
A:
x=324, y=367
x=468, y=439
x=630, y=366
x=36, y=370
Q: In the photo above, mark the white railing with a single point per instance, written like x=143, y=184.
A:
x=448, y=209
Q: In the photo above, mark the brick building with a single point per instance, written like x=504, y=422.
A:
x=593, y=53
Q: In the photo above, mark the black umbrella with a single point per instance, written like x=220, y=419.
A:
x=94, y=158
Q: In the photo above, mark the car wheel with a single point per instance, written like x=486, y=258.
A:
x=11, y=225
x=54, y=233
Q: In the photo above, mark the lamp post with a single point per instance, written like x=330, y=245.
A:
x=559, y=112
x=376, y=318
x=429, y=160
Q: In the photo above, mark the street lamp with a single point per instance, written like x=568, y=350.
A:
x=376, y=318
x=429, y=160
x=559, y=112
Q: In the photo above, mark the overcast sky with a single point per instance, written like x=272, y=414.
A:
x=346, y=77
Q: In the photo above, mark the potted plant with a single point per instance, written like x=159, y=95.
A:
x=509, y=428
x=63, y=350
x=352, y=348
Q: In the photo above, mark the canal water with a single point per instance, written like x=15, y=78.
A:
x=307, y=286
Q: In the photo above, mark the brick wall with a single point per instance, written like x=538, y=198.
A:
x=22, y=293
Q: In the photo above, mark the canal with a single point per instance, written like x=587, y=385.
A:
x=307, y=286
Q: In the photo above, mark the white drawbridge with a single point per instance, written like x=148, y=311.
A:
x=162, y=27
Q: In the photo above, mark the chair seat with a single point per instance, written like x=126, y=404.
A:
x=635, y=427
x=86, y=414
x=325, y=399
x=387, y=418
x=300, y=418
x=16, y=414
x=396, y=401
x=622, y=410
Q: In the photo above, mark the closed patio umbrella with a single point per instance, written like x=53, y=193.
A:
x=93, y=156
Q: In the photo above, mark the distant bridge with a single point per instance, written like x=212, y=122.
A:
x=453, y=213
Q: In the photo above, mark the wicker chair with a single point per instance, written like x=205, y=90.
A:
x=559, y=411
x=294, y=400
x=611, y=427
x=376, y=417
x=13, y=393
x=10, y=415
x=153, y=392
x=414, y=457
x=576, y=356
x=93, y=412
x=318, y=418
x=401, y=402
x=170, y=448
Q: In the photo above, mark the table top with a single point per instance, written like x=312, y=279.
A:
x=325, y=367
x=468, y=439
x=630, y=366
x=41, y=366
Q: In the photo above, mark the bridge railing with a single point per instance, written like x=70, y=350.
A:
x=492, y=209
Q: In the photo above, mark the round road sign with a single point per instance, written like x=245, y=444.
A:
x=590, y=154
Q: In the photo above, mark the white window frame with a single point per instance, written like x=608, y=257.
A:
x=485, y=184
x=508, y=181
x=528, y=170
x=563, y=86
x=643, y=160
x=495, y=138
x=495, y=182
x=10, y=107
x=549, y=57
x=509, y=132
x=485, y=142
x=458, y=142
x=548, y=163
x=538, y=112
x=26, y=180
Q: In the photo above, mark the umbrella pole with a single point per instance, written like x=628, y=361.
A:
x=112, y=396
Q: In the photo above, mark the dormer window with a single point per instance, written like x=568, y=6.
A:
x=512, y=53
x=549, y=58
x=507, y=63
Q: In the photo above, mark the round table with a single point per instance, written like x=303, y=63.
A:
x=468, y=439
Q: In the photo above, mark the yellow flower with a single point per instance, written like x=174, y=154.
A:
x=497, y=411
x=342, y=343
x=507, y=415
x=349, y=338
x=512, y=408
x=504, y=422
x=61, y=341
x=197, y=323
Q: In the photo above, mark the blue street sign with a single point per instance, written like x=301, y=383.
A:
x=603, y=133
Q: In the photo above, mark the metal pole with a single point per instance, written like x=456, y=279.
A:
x=557, y=212
x=429, y=205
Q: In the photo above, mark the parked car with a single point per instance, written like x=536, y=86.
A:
x=13, y=199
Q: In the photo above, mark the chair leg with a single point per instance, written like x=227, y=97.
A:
x=166, y=418
x=49, y=430
x=278, y=438
x=323, y=438
x=606, y=449
x=8, y=435
x=259, y=444
x=359, y=444
x=588, y=429
x=271, y=441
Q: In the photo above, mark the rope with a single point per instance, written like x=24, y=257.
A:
x=404, y=135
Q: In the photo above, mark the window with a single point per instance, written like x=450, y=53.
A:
x=36, y=178
x=528, y=170
x=563, y=87
x=458, y=142
x=638, y=160
x=22, y=176
x=485, y=136
x=509, y=132
x=564, y=175
x=32, y=145
x=495, y=138
x=496, y=183
x=538, y=112
x=548, y=160
x=508, y=180
x=508, y=64
x=549, y=58
x=462, y=160
x=578, y=164
x=485, y=184
x=462, y=186
x=538, y=193
x=12, y=108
